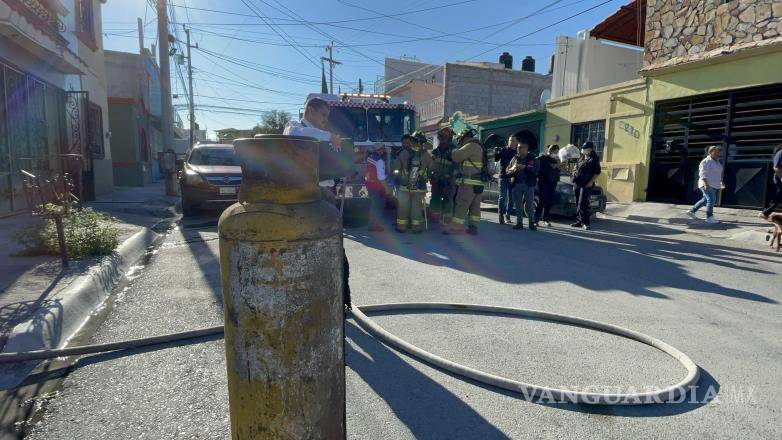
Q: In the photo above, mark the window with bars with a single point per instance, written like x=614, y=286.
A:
x=95, y=130
x=593, y=131
x=86, y=23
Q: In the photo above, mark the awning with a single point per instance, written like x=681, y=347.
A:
x=627, y=25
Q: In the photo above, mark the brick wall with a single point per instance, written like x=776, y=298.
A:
x=490, y=91
x=686, y=30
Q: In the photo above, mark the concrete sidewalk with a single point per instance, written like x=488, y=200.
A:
x=735, y=224
x=30, y=284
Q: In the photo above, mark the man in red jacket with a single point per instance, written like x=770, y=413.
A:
x=375, y=180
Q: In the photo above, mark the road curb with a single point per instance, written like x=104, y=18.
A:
x=62, y=315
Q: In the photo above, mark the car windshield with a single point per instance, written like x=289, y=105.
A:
x=213, y=156
x=349, y=122
x=388, y=125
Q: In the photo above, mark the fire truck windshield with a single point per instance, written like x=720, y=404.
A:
x=388, y=125
x=349, y=122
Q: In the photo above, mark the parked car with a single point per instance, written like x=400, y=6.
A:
x=565, y=203
x=209, y=178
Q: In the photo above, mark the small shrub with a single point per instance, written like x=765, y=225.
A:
x=86, y=233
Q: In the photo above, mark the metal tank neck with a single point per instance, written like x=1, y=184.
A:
x=278, y=169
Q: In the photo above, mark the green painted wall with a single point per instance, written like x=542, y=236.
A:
x=128, y=171
x=122, y=123
x=534, y=122
x=730, y=72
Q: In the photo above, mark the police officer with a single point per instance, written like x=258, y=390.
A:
x=468, y=160
x=441, y=179
x=412, y=168
x=587, y=170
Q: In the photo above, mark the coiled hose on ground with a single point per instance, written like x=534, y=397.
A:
x=529, y=391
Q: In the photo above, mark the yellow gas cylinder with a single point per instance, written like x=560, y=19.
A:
x=281, y=266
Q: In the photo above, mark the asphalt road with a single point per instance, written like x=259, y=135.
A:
x=713, y=299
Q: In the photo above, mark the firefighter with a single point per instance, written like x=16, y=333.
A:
x=411, y=170
x=469, y=162
x=441, y=179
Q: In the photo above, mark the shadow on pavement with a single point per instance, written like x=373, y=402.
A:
x=208, y=262
x=706, y=390
x=399, y=384
x=427, y=408
x=640, y=257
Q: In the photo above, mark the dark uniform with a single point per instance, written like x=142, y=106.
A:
x=503, y=155
x=441, y=178
x=548, y=178
x=588, y=167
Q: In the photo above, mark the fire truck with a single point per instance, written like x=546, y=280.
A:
x=366, y=120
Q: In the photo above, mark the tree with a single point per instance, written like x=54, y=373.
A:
x=273, y=122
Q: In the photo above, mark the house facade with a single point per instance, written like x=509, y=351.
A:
x=710, y=76
x=53, y=111
x=713, y=72
x=134, y=115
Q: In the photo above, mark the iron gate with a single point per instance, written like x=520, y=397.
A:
x=746, y=123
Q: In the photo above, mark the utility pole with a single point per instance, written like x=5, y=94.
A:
x=190, y=85
x=165, y=76
x=331, y=62
x=140, y=36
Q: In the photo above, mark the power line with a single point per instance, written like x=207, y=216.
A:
x=281, y=33
x=383, y=15
x=542, y=28
x=242, y=109
x=245, y=84
x=247, y=100
x=350, y=20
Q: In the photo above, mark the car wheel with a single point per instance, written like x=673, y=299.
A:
x=188, y=210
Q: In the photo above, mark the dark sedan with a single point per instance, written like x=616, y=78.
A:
x=210, y=178
x=564, y=199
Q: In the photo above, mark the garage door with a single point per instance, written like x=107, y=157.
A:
x=746, y=123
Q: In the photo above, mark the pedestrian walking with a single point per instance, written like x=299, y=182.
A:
x=523, y=170
x=375, y=180
x=776, y=198
x=709, y=182
x=503, y=155
x=548, y=178
x=584, y=178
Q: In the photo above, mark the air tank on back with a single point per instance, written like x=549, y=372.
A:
x=528, y=64
x=507, y=60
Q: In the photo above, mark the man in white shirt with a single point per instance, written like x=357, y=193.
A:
x=314, y=124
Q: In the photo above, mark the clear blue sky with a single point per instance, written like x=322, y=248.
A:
x=364, y=33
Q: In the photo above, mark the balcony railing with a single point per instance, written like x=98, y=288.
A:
x=41, y=16
x=431, y=109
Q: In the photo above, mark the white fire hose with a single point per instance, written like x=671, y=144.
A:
x=529, y=391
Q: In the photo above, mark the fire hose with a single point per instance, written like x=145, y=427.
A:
x=529, y=391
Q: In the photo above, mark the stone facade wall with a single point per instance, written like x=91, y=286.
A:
x=688, y=28
x=490, y=91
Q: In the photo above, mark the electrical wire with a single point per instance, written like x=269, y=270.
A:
x=350, y=20
x=542, y=29
x=281, y=33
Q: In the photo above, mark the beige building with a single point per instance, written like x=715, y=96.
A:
x=54, y=96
